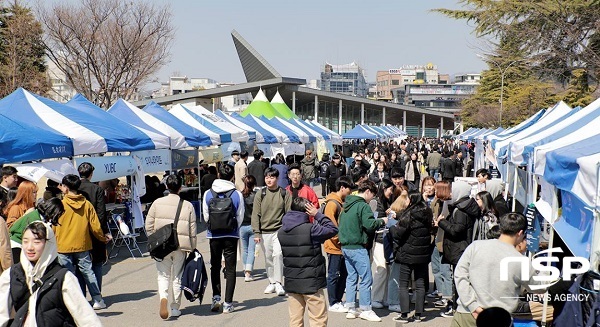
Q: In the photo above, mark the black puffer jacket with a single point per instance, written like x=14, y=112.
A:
x=458, y=229
x=412, y=243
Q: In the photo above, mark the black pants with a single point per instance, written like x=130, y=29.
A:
x=324, y=190
x=226, y=247
x=420, y=271
x=454, y=292
x=336, y=278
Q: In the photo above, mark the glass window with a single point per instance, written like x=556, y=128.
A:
x=395, y=82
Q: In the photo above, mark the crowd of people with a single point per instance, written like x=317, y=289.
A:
x=386, y=213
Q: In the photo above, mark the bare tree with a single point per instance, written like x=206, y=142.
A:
x=107, y=48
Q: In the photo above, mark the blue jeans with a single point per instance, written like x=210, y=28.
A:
x=84, y=264
x=97, y=269
x=336, y=278
x=394, y=285
x=248, y=247
x=434, y=173
x=358, y=266
x=441, y=274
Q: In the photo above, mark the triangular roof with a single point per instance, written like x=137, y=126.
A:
x=282, y=109
x=256, y=68
x=260, y=106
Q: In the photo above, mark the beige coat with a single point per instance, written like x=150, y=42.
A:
x=162, y=212
x=241, y=170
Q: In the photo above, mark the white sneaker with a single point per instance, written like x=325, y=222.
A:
x=227, y=307
x=248, y=278
x=99, y=305
x=338, y=307
x=395, y=308
x=270, y=289
x=376, y=305
x=216, y=304
x=352, y=313
x=369, y=316
x=279, y=289
x=175, y=313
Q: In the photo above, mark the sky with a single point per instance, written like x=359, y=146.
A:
x=298, y=37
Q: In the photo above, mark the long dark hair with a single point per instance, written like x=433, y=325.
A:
x=416, y=202
x=249, y=185
x=381, y=187
x=488, y=203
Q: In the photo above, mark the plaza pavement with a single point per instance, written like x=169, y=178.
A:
x=129, y=289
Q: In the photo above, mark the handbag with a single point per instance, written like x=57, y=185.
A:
x=164, y=240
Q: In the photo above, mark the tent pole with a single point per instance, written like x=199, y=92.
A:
x=515, y=181
x=550, y=245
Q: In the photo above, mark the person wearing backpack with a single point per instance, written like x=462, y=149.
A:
x=223, y=211
x=163, y=212
x=268, y=210
x=323, y=166
x=336, y=271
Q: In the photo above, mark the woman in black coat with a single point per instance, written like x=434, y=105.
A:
x=412, y=247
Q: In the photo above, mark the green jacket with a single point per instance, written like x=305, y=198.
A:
x=356, y=223
x=16, y=230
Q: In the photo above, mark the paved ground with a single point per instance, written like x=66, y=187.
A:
x=129, y=289
x=130, y=292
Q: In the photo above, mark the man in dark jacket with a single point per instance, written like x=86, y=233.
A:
x=257, y=168
x=94, y=194
x=335, y=171
x=303, y=262
x=448, y=167
x=8, y=174
x=458, y=230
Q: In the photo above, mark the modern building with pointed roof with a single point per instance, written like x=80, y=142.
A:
x=336, y=111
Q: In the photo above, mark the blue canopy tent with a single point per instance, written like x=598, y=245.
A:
x=359, y=132
x=259, y=125
x=21, y=142
x=294, y=137
x=335, y=137
x=217, y=134
x=374, y=130
x=305, y=136
x=310, y=130
x=137, y=117
x=252, y=133
x=88, y=133
x=267, y=135
x=119, y=135
x=192, y=135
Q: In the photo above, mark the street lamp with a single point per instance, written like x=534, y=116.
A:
x=502, y=73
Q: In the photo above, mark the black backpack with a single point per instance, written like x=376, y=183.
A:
x=338, y=209
x=221, y=213
x=324, y=165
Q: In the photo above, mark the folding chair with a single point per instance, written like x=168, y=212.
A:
x=122, y=234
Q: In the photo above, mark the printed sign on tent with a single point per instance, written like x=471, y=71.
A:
x=209, y=156
x=184, y=159
x=154, y=161
x=575, y=225
x=109, y=167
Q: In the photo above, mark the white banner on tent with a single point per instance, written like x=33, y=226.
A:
x=154, y=161
x=211, y=155
x=271, y=150
x=227, y=148
x=109, y=167
x=547, y=200
x=54, y=170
